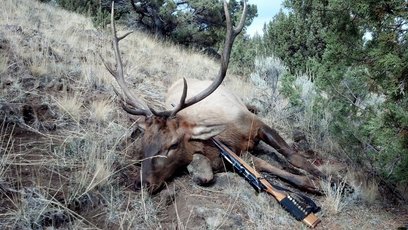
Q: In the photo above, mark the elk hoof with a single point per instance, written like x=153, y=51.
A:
x=200, y=169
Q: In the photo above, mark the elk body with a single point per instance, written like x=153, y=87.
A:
x=224, y=115
x=196, y=111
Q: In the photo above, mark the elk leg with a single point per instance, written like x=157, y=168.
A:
x=272, y=138
x=302, y=182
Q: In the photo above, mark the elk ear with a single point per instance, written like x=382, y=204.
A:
x=143, y=122
x=206, y=132
x=141, y=125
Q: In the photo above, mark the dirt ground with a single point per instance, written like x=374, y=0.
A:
x=68, y=153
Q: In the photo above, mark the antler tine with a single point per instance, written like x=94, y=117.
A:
x=140, y=108
x=182, y=103
x=225, y=56
x=241, y=24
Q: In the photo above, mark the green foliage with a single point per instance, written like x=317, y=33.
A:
x=290, y=90
x=357, y=52
x=194, y=23
x=101, y=18
x=201, y=23
x=243, y=54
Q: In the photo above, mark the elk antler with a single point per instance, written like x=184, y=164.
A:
x=138, y=107
x=225, y=56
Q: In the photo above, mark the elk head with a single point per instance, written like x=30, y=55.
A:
x=167, y=137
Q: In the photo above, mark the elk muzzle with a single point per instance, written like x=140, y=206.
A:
x=151, y=176
x=147, y=182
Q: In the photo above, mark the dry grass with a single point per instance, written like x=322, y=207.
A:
x=3, y=63
x=71, y=105
x=96, y=171
x=95, y=77
x=101, y=111
x=334, y=201
x=370, y=192
x=75, y=170
x=6, y=145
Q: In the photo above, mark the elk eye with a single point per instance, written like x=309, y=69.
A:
x=174, y=146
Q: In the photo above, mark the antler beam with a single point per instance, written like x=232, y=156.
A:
x=131, y=104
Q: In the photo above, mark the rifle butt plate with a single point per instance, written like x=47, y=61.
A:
x=311, y=220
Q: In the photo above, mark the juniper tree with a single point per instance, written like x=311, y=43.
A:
x=357, y=53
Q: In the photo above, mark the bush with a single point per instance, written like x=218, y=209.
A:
x=266, y=76
x=350, y=69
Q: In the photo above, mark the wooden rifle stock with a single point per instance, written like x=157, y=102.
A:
x=286, y=201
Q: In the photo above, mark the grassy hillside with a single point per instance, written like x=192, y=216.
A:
x=67, y=156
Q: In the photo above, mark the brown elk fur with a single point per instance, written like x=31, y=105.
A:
x=170, y=143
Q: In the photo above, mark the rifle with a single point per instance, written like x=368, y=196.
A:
x=298, y=210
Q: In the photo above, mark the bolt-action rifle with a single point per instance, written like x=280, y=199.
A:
x=297, y=209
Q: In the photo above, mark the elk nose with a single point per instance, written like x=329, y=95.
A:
x=138, y=185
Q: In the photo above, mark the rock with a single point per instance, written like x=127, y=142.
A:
x=200, y=169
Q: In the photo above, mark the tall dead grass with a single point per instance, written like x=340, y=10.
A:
x=59, y=51
x=6, y=146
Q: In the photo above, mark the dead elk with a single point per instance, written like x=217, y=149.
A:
x=205, y=110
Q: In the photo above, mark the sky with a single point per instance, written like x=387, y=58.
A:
x=266, y=10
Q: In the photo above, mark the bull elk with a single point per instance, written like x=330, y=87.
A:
x=197, y=111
